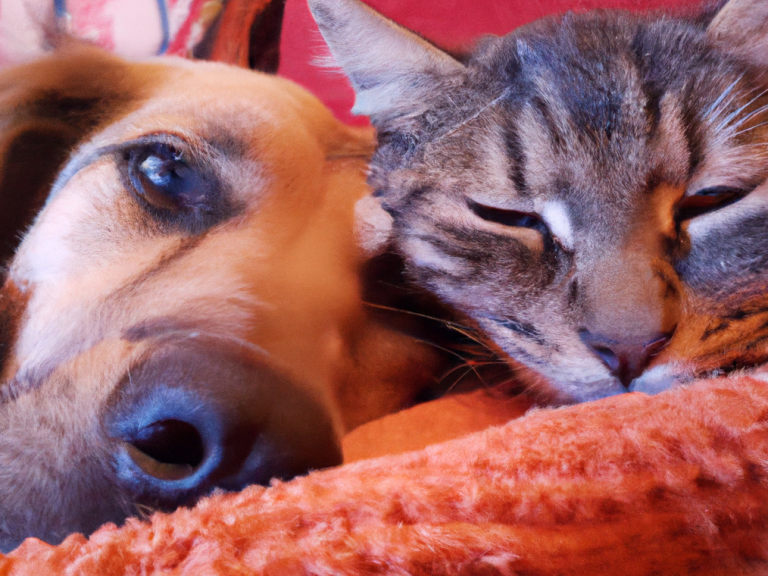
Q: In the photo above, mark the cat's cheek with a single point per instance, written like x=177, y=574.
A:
x=428, y=260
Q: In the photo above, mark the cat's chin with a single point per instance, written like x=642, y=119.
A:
x=587, y=392
x=555, y=392
x=660, y=378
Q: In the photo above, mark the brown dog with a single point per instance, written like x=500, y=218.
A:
x=185, y=312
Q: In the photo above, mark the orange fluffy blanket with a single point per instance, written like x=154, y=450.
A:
x=671, y=484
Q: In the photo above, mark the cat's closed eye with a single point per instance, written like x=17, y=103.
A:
x=511, y=218
x=708, y=200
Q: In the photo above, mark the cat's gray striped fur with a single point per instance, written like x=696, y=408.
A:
x=589, y=189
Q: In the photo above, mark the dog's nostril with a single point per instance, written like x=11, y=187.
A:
x=195, y=416
x=168, y=449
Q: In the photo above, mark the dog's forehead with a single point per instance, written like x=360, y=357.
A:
x=190, y=97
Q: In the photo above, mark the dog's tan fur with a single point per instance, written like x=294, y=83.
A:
x=98, y=285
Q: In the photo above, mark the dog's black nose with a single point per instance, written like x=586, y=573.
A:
x=168, y=449
x=196, y=416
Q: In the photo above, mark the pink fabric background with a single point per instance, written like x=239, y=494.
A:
x=449, y=23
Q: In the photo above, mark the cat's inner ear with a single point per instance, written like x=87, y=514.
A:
x=741, y=26
x=391, y=69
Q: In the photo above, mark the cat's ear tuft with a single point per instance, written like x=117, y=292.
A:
x=391, y=69
x=741, y=26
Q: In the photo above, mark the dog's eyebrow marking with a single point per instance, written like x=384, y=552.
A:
x=172, y=328
x=156, y=327
x=185, y=246
x=74, y=166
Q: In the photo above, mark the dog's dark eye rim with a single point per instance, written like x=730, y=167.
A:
x=510, y=218
x=708, y=200
x=167, y=178
x=181, y=189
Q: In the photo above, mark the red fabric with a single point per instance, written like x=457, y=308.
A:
x=448, y=23
x=633, y=485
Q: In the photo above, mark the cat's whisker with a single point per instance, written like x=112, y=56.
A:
x=419, y=314
x=714, y=108
x=469, y=333
x=474, y=116
x=470, y=367
x=465, y=331
x=458, y=380
x=723, y=103
x=749, y=116
x=507, y=377
x=727, y=120
x=756, y=126
x=442, y=348
x=500, y=381
x=721, y=110
x=466, y=364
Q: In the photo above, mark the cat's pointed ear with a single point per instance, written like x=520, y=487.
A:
x=391, y=69
x=741, y=26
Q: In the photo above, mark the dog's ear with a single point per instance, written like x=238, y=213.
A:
x=46, y=109
x=246, y=33
x=392, y=70
x=741, y=26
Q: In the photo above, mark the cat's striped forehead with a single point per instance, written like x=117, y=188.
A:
x=596, y=109
x=604, y=88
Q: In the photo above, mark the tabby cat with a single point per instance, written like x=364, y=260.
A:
x=589, y=190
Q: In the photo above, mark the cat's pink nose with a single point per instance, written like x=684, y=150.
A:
x=625, y=360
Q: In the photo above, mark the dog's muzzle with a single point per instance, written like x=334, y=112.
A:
x=202, y=414
x=190, y=415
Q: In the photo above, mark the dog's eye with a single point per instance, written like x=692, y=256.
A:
x=708, y=200
x=163, y=178
x=512, y=218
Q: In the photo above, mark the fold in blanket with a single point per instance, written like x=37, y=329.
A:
x=670, y=484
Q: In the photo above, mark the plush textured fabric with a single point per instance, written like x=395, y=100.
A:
x=671, y=484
